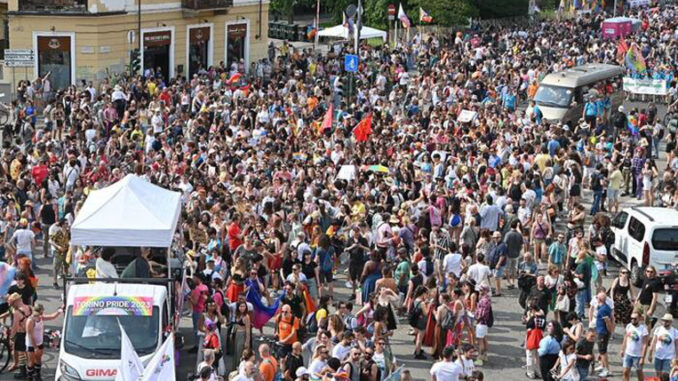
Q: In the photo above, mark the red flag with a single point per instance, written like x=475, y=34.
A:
x=363, y=129
x=328, y=119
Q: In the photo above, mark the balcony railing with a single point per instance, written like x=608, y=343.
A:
x=53, y=6
x=206, y=4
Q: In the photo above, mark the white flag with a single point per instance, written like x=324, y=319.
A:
x=161, y=366
x=130, y=367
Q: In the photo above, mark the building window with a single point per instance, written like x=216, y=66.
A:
x=157, y=47
x=236, y=38
x=54, y=56
x=198, y=49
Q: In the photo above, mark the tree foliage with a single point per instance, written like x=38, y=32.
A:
x=502, y=8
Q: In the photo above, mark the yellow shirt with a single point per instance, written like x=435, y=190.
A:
x=542, y=159
x=615, y=179
x=15, y=169
x=151, y=88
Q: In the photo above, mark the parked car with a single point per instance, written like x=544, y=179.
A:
x=645, y=236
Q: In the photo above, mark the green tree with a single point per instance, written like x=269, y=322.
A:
x=376, y=13
x=444, y=12
x=502, y=8
x=287, y=7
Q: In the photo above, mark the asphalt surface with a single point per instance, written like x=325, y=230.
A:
x=506, y=357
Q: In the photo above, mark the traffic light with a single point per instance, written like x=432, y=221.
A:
x=135, y=61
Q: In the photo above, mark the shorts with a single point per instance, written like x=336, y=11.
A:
x=511, y=267
x=603, y=339
x=325, y=277
x=20, y=342
x=481, y=331
x=631, y=361
x=499, y=273
x=354, y=272
x=612, y=194
x=661, y=365
x=32, y=349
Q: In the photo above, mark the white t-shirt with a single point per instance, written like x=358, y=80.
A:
x=446, y=371
x=452, y=264
x=316, y=367
x=480, y=273
x=634, y=339
x=467, y=365
x=665, y=347
x=341, y=352
x=565, y=360
x=24, y=238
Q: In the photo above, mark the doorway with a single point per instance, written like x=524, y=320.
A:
x=236, y=46
x=157, y=53
x=199, y=49
x=54, y=57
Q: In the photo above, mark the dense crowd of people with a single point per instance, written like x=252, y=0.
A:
x=287, y=180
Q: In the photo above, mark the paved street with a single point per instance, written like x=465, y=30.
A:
x=506, y=357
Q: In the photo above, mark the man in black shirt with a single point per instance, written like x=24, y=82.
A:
x=540, y=294
x=292, y=362
x=295, y=301
x=22, y=287
x=357, y=245
x=584, y=352
x=646, y=301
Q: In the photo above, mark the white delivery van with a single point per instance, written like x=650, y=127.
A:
x=90, y=343
x=561, y=96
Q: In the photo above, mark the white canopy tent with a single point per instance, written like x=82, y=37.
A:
x=340, y=31
x=130, y=213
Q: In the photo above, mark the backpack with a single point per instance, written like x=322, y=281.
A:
x=311, y=323
x=447, y=321
x=326, y=261
x=429, y=267
x=413, y=315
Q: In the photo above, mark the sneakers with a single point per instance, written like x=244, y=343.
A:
x=599, y=368
x=605, y=373
x=420, y=355
x=478, y=362
x=348, y=284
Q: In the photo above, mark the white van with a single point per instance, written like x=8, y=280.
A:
x=90, y=344
x=645, y=236
x=561, y=96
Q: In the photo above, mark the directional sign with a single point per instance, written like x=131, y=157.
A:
x=19, y=58
x=351, y=63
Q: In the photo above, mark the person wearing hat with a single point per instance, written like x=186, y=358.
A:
x=20, y=312
x=664, y=345
x=35, y=331
x=24, y=239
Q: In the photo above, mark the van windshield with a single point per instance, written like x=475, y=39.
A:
x=98, y=336
x=665, y=239
x=553, y=96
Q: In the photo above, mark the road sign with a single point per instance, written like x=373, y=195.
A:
x=19, y=58
x=391, y=12
x=351, y=63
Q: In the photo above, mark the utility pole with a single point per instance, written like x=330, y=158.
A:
x=356, y=43
x=139, y=42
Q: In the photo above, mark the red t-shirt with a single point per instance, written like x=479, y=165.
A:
x=39, y=173
x=233, y=233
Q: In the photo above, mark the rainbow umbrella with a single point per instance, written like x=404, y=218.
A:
x=378, y=168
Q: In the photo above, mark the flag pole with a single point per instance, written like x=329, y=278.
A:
x=395, y=40
x=317, y=24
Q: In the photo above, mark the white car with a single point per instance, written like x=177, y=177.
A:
x=645, y=236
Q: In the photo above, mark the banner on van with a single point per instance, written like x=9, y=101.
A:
x=645, y=86
x=113, y=306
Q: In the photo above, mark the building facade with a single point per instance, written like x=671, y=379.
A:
x=78, y=40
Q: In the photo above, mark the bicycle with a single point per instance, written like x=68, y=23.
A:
x=5, y=348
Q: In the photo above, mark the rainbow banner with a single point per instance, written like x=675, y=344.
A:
x=635, y=60
x=261, y=312
x=113, y=306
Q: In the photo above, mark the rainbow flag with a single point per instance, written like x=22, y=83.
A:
x=635, y=60
x=261, y=313
x=622, y=49
x=300, y=156
x=311, y=31
x=424, y=16
x=402, y=16
x=7, y=273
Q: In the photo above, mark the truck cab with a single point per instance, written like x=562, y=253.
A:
x=90, y=346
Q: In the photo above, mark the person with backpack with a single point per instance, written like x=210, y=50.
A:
x=287, y=328
x=445, y=318
x=484, y=321
x=324, y=256
x=417, y=320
